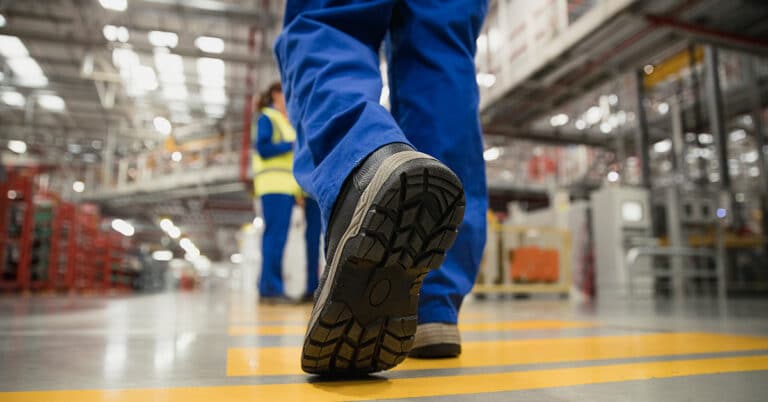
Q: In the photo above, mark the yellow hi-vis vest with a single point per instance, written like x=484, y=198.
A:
x=275, y=175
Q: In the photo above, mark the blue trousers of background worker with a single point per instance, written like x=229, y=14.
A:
x=328, y=54
x=277, y=221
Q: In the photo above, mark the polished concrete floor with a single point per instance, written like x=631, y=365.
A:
x=223, y=346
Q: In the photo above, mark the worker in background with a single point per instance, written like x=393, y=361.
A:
x=273, y=139
x=393, y=188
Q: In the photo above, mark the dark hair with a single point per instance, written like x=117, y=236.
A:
x=266, y=97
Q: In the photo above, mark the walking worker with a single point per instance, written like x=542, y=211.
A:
x=393, y=188
x=273, y=140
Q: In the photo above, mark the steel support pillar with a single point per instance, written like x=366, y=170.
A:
x=717, y=125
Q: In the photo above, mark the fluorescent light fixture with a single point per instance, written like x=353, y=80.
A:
x=236, y=258
x=174, y=232
x=166, y=224
x=162, y=255
x=558, y=120
x=27, y=71
x=738, y=135
x=163, y=39
x=110, y=32
x=175, y=92
x=211, y=72
x=115, y=5
x=145, y=78
x=210, y=44
x=17, y=146
x=749, y=157
x=162, y=125
x=613, y=176
x=123, y=227
x=613, y=99
x=580, y=124
x=662, y=146
x=176, y=156
x=212, y=95
x=593, y=115
x=605, y=127
x=51, y=102
x=78, y=186
x=663, y=107
x=122, y=34
x=12, y=47
x=215, y=110
x=169, y=63
x=485, y=79
x=706, y=139
x=13, y=98
x=491, y=154
x=754, y=171
x=124, y=58
x=2, y=21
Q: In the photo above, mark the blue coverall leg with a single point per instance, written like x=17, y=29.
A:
x=277, y=221
x=312, y=239
x=329, y=64
x=434, y=97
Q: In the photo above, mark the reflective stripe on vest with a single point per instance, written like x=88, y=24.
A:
x=275, y=175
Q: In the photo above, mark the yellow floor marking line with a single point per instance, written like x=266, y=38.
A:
x=295, y=329
x=406, y=387
x=285, y=360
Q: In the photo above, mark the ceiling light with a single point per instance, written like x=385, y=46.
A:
x=605, y=127
x=50, y=102
x=162, y=125
x=210, y=71
x=558, y=120
x=123, y=227
x=593, y=115
x=110, y=32
x=754, y=171
x=115, y=5
x=13, y=98
x=78, y=186
x=613, y=99
x=580, y=124
x=662, y=146
x=648, y=69
x=258, y=222
x=663, y=107
x=174, y=232
x=162, y=255
x=613, y=176
x=706, y=139
x=166, y=224
x=169, y=63
x=27, y=71
x=11, y=47
x=17, y=146
x=738, y=135
x=122, y=34
x=749, y=157
x=145, y=78
x=2, y=21
x=215, y=96
x=176, y=156
x=236, y=258
x=175, y=92
x=210, y=44
x=485, y=79
x=491, y=154
x=163, y=39
x=215, y=110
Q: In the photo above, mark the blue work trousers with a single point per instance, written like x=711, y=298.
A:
x=328, y=55
x=277, y=221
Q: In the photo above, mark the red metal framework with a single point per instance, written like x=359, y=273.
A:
x=16, y=229
x=61, y=264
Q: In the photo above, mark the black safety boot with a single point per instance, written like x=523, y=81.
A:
x=393, y=221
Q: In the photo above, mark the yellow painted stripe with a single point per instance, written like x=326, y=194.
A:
x=407, y=387
x=293, y=329
x=285, y=360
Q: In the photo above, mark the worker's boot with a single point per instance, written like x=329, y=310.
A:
x=435, y=341
x=394, y=219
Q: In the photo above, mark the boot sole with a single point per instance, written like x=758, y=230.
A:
x=405, y=221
